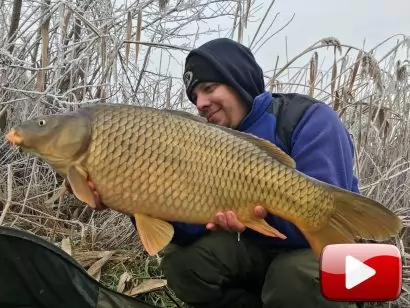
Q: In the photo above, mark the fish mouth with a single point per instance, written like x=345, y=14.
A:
x=14, y=137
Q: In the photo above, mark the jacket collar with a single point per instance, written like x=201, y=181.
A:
x=259, y=106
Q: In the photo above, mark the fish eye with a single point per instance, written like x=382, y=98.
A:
x=42, y=122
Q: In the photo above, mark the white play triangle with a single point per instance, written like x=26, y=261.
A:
x=357, y=272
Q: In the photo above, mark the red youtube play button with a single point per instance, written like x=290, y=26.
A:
x=361, y=272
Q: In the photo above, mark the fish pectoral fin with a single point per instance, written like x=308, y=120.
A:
x=79, y=186
x=261, y=226
x=154, y=233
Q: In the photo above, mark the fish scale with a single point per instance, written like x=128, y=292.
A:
x=162, y=165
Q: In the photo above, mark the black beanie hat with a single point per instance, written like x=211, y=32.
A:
x=226, y=61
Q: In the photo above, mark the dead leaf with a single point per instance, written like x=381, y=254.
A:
x=95, y=269
x=89, y=255
x=66, y=245
x=86, y=258
x=97, y=276
x=125, y=277
x=113, y=259
x=146, y=286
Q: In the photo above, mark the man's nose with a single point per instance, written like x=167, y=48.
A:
x=202, y=102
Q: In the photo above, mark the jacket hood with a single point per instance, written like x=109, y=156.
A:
x=233, y=61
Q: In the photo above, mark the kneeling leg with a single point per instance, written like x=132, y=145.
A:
x=216, y=271
x=292, y=280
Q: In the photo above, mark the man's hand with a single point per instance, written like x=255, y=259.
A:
x=228, y=221
x=99, y=205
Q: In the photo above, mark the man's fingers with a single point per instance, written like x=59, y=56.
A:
x=229, y=222
x=211, y=226
x=221, y=220
x=233, y=223
x=260, y=211
x=96, y=197
x=99, y=206
x=91, y=185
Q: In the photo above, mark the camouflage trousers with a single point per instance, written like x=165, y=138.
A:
x=219, y=271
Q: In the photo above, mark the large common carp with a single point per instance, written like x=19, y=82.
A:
x=163, y=165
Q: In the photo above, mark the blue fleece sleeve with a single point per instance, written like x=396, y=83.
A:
x=187, y=233
x=322, y=148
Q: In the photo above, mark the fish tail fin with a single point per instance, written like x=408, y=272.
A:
x=355, y=217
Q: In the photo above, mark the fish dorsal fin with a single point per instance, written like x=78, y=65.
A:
x=186, y=114
x=270, y=148
x=264, y=145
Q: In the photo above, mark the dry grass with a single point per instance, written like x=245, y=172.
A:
x=370, y=91
x=56, y=56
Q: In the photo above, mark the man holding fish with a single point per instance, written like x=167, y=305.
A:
x=213, y=269
x=243, y=203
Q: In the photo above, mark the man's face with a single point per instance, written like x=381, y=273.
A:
x=219, y=103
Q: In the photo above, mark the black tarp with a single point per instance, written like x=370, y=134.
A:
x=35, y=273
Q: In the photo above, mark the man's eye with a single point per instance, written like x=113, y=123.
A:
x=209, y=88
